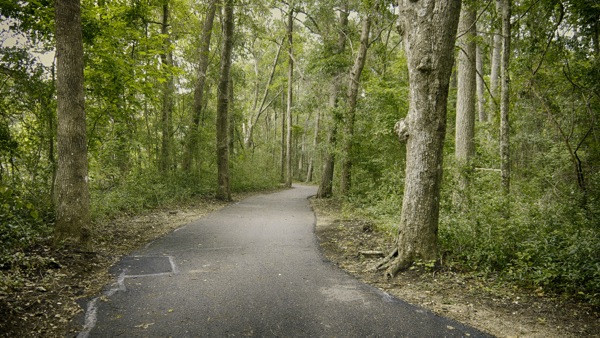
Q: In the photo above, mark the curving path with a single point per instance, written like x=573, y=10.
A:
x=250, y=269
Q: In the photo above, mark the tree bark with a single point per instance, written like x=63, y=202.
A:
x=465, y=102
x=495, y=64
x=505, y=97
x=223, y=186
x=480, y=84
x=311, y=158
x=71, y=191
x=191, y=146
x=288, y=113
x=168, y=91
x=429, y=32
x=326, y=184
x=354, y=81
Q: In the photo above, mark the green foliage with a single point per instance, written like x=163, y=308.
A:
x=142, y=190
x=253, y=171
x=545, y=243
x=21, y=223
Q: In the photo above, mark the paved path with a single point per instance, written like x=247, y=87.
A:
x=251, y=269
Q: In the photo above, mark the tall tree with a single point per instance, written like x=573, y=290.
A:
x=495, y=62
x=479, y=82
x=352, y=95
x=168, y=91
x=505, y=97
x=326, y=184
x=191, y=145
x=465, y=101
x=290, y=91
x=71, y=191
x=429, y=31
x=223, y=187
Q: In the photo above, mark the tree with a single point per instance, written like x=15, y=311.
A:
x=495, y=62
x=223, y=187
x=289, y=102
x=429, y=31
x=203, y=61
x=352, y=94
x=326, y=184
x=505, y=97
x=71, y=192
x=465, y=101
x=168, y=91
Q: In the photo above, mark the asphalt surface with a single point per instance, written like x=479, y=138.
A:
x=251, y=269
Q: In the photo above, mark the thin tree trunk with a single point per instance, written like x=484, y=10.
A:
x=191, y=146
x=232, y=117
x=354, y=81
x=223, y=187
x=253, y=120
x=495, y=63
x=481, y=108
x=505, y=97
x=282, y=144
x=311, y=159
x=465, y=102
x=71, y=192
x=429, y=30
x=168, y=91
x=288, y=140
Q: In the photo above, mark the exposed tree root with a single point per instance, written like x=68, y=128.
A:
x=392, y=264
x=385, y=262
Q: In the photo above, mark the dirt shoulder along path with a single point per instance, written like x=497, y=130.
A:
x=501, y=310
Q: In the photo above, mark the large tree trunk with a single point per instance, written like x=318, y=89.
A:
x=71, y=191
x=191, y=146
x=505, y=95
x=223, y=187
x=168, y=91
x=288, y=113
x=354, y=81
x=429, y=30
x=326, y=184
x=465, y=102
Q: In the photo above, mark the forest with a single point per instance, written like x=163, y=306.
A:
x=182, y=98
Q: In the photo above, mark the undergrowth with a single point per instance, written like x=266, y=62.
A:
x=547, y=244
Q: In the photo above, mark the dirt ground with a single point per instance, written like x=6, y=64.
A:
x=40, y=299
x=487, y=304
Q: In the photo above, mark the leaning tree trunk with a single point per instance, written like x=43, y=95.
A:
x=429, y=31
x=71, y=191
x=465, y=102
x=354, y=81
x=191, y=146
x=223, y=187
